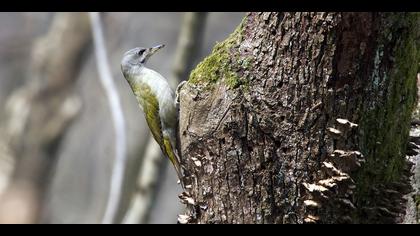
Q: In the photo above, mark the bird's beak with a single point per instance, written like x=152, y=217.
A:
x=155, y=48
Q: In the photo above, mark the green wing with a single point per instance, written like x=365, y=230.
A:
x=150, y=105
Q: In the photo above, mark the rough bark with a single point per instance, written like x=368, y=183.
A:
x=412, y=215
x=39, y=114
x=302, y=118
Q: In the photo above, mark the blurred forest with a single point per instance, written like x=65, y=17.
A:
x=48, y=62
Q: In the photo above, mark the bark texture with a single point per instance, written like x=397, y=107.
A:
x=301, y=118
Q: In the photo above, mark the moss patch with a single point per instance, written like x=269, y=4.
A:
x=385, y=124
x=220, y=64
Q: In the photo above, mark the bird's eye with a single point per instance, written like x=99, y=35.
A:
x=141, y=51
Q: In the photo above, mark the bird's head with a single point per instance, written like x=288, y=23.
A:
x=138, y=56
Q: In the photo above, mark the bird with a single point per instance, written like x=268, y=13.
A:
x=156, y=99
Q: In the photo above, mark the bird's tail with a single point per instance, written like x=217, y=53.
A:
x=173, y=157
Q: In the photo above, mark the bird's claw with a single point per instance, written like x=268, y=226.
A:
x=178, y=89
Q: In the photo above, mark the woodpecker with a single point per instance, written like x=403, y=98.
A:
x=156, y=99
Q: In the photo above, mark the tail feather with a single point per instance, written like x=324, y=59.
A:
x=173, y=157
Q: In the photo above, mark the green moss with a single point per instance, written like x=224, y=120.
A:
x=417, y=200
x=385, y=124
x=232, y=80
x=220, y=65
x=246, y=63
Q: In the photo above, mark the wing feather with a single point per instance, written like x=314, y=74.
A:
x=150, y=106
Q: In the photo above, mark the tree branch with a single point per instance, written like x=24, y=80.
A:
x=38, y=115
x=106, y=80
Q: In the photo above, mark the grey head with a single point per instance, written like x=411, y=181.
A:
x=137, y=57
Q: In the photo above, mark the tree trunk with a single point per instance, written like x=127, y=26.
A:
x=302, y=118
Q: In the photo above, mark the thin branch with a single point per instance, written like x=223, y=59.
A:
x=153, y=165
x=105, y=75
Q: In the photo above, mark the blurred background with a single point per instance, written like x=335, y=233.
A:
x=57, y=138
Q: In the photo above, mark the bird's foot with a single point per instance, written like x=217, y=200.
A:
x=178, y=89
